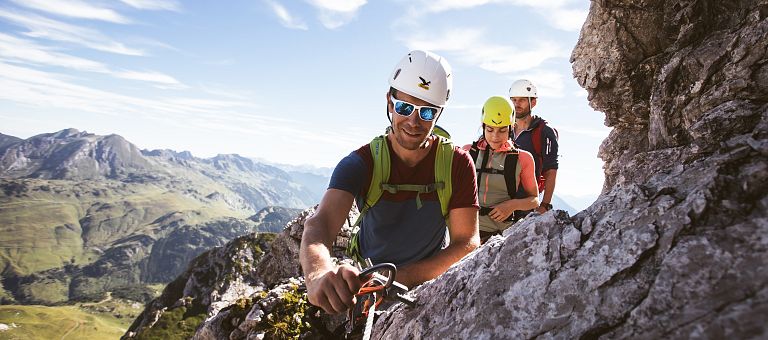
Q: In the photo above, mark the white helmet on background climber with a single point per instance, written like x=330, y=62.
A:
x=523, y=88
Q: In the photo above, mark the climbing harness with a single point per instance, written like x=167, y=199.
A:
x=376, y=288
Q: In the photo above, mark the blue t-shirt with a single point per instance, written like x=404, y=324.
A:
x=394, y=230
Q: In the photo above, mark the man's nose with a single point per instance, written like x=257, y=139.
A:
x=414, y=117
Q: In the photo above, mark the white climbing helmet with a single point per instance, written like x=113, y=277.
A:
x=523, y=88
x=424, y=75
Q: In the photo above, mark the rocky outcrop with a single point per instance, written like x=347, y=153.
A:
x=673, y=77
x=215, y=279
x=243, y=290
x=273, y=219
x=675, y=246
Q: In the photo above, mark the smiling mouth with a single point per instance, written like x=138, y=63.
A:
x=412, y=134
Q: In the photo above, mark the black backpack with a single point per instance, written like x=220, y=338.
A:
x=510, y=162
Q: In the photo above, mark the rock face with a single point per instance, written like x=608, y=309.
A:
x=273, y=219
x=675, y=246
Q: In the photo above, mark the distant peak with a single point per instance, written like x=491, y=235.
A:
x=66, y=133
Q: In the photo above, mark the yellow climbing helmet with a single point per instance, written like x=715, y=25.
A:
x=498, y=111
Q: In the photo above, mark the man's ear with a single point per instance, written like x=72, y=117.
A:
x=533, y=102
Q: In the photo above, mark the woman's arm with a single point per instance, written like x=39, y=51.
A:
x=527, y=179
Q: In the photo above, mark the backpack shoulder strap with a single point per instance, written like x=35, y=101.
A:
x=482, y=168
x=473, y=151
x=443, y=168
x=511, y=176
x=537, y=139
x=380, y=174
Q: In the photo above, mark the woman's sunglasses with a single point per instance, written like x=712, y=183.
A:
x=405, y=109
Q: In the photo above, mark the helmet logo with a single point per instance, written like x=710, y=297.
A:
x=498, y=114
x=424, y=84
x=528, y=89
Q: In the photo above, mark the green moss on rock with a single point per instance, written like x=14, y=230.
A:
x=288, y=319
x=177, y=323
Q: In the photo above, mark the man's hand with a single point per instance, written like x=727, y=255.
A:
x=544, y=207
x=333, y=290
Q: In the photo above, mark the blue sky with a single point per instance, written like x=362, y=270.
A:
x=296, y=82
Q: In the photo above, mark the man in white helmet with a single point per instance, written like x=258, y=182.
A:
x=407, y=228
x=531, y=133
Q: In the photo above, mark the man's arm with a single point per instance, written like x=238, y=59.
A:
x=463, y=231
x=330, y=287
x=550, y=167
x=550, y=176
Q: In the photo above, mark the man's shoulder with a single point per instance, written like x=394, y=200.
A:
x=461, y=153
x=364, y=152
x=545, y=126
x=357, y=160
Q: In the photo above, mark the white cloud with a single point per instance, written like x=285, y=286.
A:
x=346, y=6
x=560, y=14
x=592, y=133
x=46, y=90
x=41, y=27
x=581, y=93
x=566, y=19
x=25, y=51
x=154, y=77
x=470, y=46
x=336, y=13
x=224, y=91
x=37, y=88
x=74, y=9
x=286, y=18
x=167, y=5
x=448, y=5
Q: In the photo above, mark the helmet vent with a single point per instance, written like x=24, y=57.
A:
x=397, y=73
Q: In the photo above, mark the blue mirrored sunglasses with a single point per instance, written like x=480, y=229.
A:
x=405, y=109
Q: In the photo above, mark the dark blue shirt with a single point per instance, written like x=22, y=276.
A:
x=548, y=157
x=394, y=230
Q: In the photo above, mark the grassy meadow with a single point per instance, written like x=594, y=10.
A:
x=105, y=320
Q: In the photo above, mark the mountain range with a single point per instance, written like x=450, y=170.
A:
x=83, y=214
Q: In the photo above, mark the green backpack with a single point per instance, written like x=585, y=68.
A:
x=380, y=177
